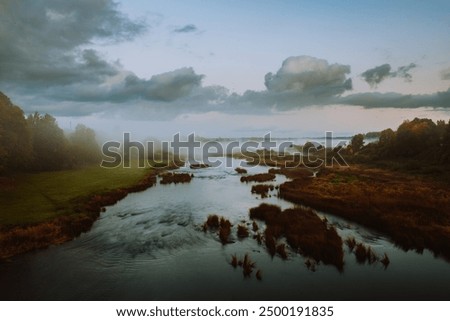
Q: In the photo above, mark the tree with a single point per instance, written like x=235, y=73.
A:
x=357, y=142
x=83, y=146
x=386, y=143
x=50, y=146
x=417, y=137
x=15, y=140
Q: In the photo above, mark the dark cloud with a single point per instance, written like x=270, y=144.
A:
x=396, y=100
x=41, y=40
x=403, y=72
x=43, y=52
x=165, y=87
x=376, y=75
x=186, y=29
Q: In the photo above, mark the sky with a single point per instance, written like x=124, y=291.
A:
x=225, y=67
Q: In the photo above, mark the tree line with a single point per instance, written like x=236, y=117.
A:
x=420, y=139
x=36, y=142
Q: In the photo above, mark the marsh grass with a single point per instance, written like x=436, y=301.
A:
x=169, y=178
x=281, y=251
x=234, y=261
x=240, y=170
x=242, y=231
x=365, y=253
x=351, y=243
x=247, y=266
x=262, y=189
x=413, y=211
x=262, y=177
x=220, y=225
x=255, y=226
x=311, y=264
x=385, y=261
x=304, y=231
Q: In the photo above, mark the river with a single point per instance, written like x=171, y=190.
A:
x=150, y=246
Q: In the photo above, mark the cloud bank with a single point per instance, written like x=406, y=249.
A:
x=45, y=57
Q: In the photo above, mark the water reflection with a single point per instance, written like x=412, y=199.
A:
x=150, y=246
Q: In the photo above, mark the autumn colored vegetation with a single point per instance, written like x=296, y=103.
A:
x=169, y=178
x=303, y=230
x=262, y=189
x=220, y=225
x=262, y=177
x=413, y=211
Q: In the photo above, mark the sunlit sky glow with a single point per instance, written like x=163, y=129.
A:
x=227, y=68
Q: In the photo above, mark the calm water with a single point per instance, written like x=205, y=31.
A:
x=150, y=246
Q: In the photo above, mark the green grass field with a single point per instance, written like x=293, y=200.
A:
x=33, y=198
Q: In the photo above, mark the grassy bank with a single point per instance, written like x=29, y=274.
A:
x=53, y=207
x=413, y=211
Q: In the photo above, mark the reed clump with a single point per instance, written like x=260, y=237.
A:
x=169, y=178
x=351, y=243
x=246, y=264
x=255, y=226
x=219, y=224
x=304, y=232
x=281, y=251
x=262, y=189
x=240, y=170
x=262, y=177
x=365, y=253
x=242, y=231
x=385, y=261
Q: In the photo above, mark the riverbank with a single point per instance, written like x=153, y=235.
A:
x=413, y=211
x=43, y=209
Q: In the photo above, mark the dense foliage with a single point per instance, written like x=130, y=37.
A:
x=37, y=143
x=420, y=140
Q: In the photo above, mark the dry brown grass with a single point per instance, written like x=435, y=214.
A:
x=351, y=243
x=414, y=212
x=262, y=189
x=262, y=177
x=168, y=178
x=311, y=264
x=240, y=170
x=247, y=266
x=304, y=231
x=242, y=231
x=234, y=261
x=214, y=223
x=385, y=261
x=281, y=251
x=255, y=226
